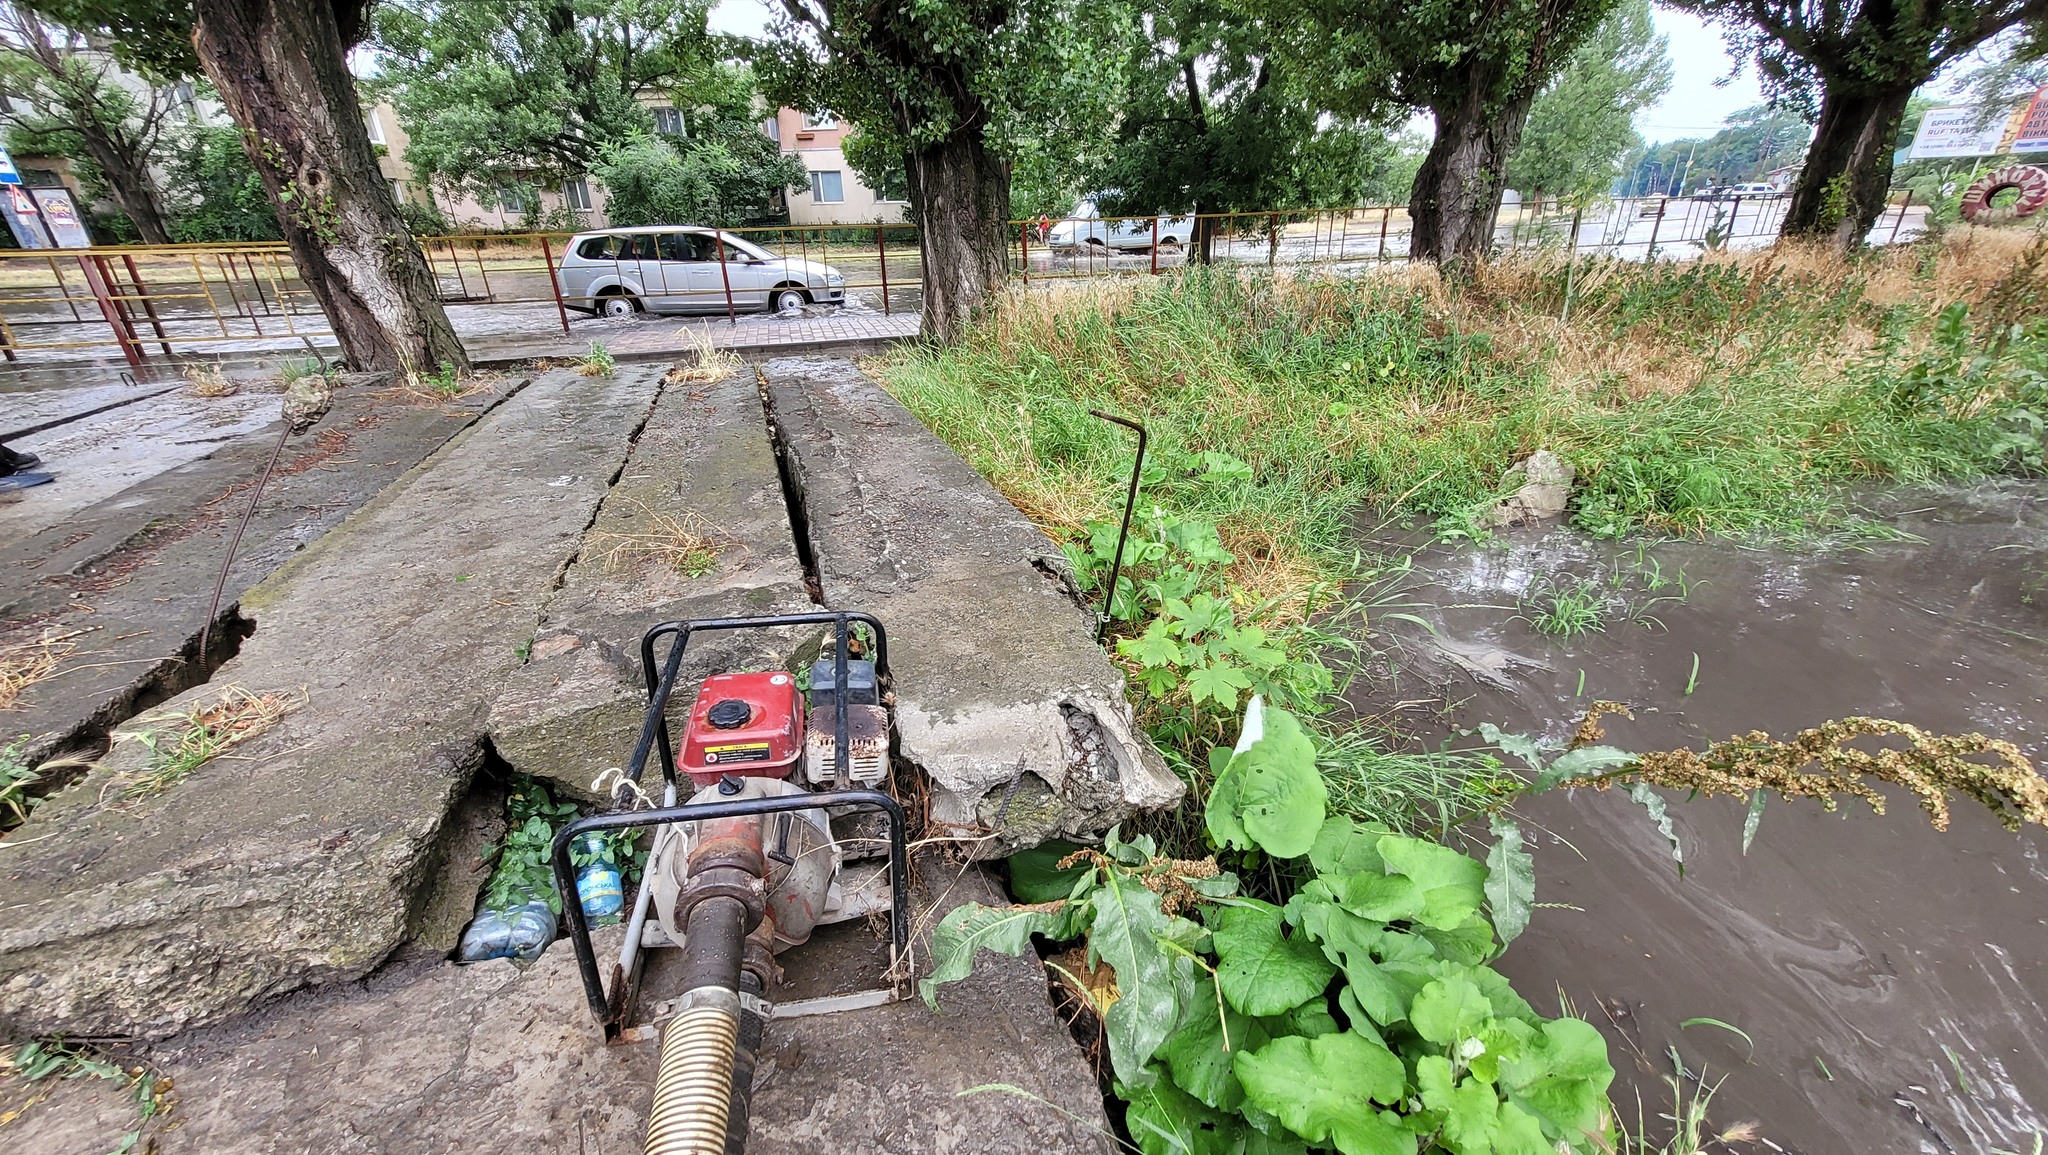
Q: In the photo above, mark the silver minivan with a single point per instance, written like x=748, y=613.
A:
x=678, y=269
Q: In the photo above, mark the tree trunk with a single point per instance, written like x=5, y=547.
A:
x=281, y=73
x=1457, y=190
x=131, y=186
x=960, y=192
x=1841, y=190
x=1203, y=250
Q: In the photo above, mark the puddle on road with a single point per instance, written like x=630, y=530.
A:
x=1893, y=978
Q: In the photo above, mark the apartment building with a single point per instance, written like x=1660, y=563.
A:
x=837, y=195
x=583, y=198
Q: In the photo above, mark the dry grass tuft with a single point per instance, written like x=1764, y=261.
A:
x=207, y=380
x=703, y=362
x=23, y=664
x=683, y=544
x=181, y=742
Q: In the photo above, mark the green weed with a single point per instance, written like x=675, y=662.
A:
x=1566, y=607
x=46, y=1061
x=181, y=743
x=16, y=776
x=599, y=362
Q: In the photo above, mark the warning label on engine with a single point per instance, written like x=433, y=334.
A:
x=742, y=752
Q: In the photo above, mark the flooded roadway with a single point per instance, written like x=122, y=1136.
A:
x=1891, y=977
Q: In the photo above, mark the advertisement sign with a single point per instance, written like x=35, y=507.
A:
x=1954, y=132
x=44, y=218
x=2033, y=126
x=8, y=173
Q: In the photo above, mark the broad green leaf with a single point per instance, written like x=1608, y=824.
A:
x=1500, y=994
x=1271, y=796
x=1580, y=763
x=1468, y=1108
x=1313, y=1020
x=1382, y=897
x=1453, y=885
x=1151, y=648
x=1165, y=1120
x=971, y=928
x=1510, y=881
x=1343, y=847
x=1449, y=1011
x=1348, y=941
x=1754, y=818
x=1035, y=875
x=1562, y=1079
x=1261, y=971
x=1347, y=1001
x=1324, y=1090
x=1516, y=1132
x=1470, y=942
x=1196, y=1054
x=1125, y=933
x=1653, y=803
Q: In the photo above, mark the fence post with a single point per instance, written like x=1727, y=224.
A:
x=122, y=336
x=882, y=255
x=1155, y=246
x=477, y=251
x=1024, y=248
x=1903, y=202
x=1386, y=213
x=1656, y=223
x=1272, y=240
x=725, y=274
x=547, y=256
x=142, y=294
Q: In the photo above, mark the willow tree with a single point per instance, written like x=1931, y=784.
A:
x=282, y=72
x=957, y=88
x=1475, y=68
x=1852, y=65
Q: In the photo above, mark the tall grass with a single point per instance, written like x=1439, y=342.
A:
x=1728, y=395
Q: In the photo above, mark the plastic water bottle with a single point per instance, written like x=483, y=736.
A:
x=598, y=885
x=520, y=933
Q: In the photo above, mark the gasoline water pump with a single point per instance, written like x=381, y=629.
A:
x=748, y=865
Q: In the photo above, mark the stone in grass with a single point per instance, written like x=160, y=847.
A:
x=1544, y=493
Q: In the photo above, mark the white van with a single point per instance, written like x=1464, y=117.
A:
x=1086, y=227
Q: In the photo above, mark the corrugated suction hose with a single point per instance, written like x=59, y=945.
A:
x=693, y=1091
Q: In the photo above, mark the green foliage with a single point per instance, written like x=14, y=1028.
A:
x=16, y=776
x=1248, y=135
x=46, y=1060
x=523, y=870
x=1361, y=1017
x=494, y=94
x=1583, y=122
x=424, y=218
x=727, y=176
x=1757, y=141
x=220, y=194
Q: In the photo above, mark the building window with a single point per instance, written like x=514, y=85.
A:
x=513, y=199
x=374, y=127
x=773, y=127
x=895, y=187
x=827, y=188
x=668, y=121
x=576, y=195
x=397, y=190
x=817, y=120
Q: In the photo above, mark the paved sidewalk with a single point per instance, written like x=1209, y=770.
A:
x=822, y=328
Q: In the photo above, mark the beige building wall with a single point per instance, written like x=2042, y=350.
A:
x=464, y=211
x=817, y=141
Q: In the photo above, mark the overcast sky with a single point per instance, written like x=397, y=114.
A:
x=1694, y=107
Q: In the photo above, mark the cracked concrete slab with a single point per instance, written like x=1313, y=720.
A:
x=299, y=859
x=1002, y=696
x=695, y=528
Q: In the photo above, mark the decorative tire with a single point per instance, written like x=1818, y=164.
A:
x=2030, y=180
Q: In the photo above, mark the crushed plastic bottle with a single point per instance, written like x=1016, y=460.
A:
x=598, y=885
x=519, y=933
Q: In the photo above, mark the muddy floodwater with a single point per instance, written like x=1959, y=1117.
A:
x=1891, y=978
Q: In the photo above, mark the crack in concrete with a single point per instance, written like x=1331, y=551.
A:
x=561, y=577
x=793, y=500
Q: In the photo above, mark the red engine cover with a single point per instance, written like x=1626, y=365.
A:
x=762, y=743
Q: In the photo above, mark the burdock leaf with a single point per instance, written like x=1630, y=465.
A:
x=972, y=928
x=1271, y=796
x=1125, y=934
x=1261, y=972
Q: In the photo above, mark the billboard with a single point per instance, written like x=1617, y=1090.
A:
x=1955, y=132
x=2032, y=134
x=43, y=218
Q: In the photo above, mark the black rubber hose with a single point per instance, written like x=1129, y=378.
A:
x=743, y=1063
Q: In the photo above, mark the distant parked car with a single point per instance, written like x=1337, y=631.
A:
x=1086, y=227
x=1748, y=192
x=676, y=269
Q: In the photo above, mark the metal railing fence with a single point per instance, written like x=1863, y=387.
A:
x=247, y=298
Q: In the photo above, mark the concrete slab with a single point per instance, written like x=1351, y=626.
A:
x=132, y=573
x=299, y=860
x=1002, y=696
x=430, y=1057
x=702, y=467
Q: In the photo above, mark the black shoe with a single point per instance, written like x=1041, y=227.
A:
x=12, y=461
